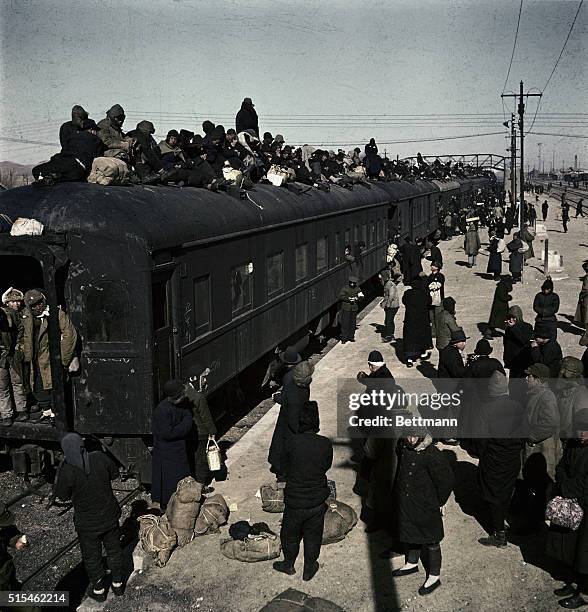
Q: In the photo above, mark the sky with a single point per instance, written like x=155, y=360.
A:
x=328, y=72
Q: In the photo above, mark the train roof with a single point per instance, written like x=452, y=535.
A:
x=165, y=216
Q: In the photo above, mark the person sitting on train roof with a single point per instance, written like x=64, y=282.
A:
x=114, y=139
x=170, y=152
x=34, y=345
x=69, y=128
x=75, y=162
x=146, y=159
x=246, y=118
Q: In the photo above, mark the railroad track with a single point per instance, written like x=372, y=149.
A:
x=572, y=194
x=73, y=542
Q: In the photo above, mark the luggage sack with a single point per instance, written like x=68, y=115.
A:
x=183, y=508
x=108, y=171
x=272, y=497
x=339, y=521
x=292, y=600
x=262, y=547
x=213, y=513
x=157, y=537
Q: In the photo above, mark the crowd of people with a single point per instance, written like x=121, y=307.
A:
x=219, y=157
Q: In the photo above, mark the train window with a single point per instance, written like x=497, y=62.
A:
x=322, y=250
x=275, y=274
x=301, y=272
x=373, y=234
x=380, y=227
x=107, y=312
x=160, y=307
x=356, y=234
x=202, y=305
x=241, y=288
x=348, y=237
x=364, y=234
x=338, y=253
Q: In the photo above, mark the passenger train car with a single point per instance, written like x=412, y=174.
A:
x=159, y=279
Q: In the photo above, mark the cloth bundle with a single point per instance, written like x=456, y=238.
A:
x=213, y=513
x=564, y=512
x=26, y=227
x=272, y=497
x=261, y=547
x=108, y=171
x=292, y=600
x=339, y=521
x=183, y=508
x=157, y=537
x=278, y=175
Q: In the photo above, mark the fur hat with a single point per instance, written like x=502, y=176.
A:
x=12, y=295
x=33, y=296
x=571, y=367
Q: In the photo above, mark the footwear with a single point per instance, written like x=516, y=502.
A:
x=405, y=572
x=309, y=574
x=97, y=592
x=386, y=338
x=284, y=567
x=35, y=416
x=21, y=417
x=428, y=590
x=7, y=422
x=46, y=419
x=573, y=602
x=565, y=591
x=393, y=340
x=118, y=588
x=498, y=539
x=389, y=553
x=409, y=363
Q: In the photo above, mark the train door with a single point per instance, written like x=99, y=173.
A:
x=394, y=228
x=163, y=332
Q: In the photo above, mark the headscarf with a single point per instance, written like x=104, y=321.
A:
x=75, y=452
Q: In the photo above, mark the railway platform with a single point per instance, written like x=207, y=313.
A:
x=352, y=574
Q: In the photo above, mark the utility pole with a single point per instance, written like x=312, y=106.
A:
x=539, y=144
x=521, y=111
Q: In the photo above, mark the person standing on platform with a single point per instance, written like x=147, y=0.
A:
x=565, y=216
x=500, y=456
x=349, y=297
x=423, y=485
x=515, y=265
x=546, y=305
x=499, y=310
x=544, y=209
x=496, y=247
x=172, y=424
x=545, y=349
x=581, y=314
x=436, y=284
x=568, y=546
x=446, y=324
x=471, y=244
x=390, y=304
x=416, y=331
x=307, y=459
x=292, y=398
x=86, y=478
x=580, y=208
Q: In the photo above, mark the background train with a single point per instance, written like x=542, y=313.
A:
x=159, y=279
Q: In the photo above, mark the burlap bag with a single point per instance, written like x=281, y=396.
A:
x=213, y=513
x=262, y=547
x=183, y=508
x=292, y=600
x=157, y=537
x=108, y=171
x=339, y=521
x=272, y=497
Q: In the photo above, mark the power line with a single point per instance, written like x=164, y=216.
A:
x=513, y=47
x=25, y=141
x=564, y=45
x=562, y=135
x=386, y=142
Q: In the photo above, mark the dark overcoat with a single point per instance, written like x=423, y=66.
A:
x=500, y=457
x=517, y=357
x=515, y=264
x=411, y=264
x=424, y=481
x=293, y=398
x=499, y=310
x=571, y=476
x=581, y=315
x=495, y=258
x=171, y=426
x=416, y=332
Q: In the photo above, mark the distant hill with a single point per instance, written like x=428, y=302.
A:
x=15, y=175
